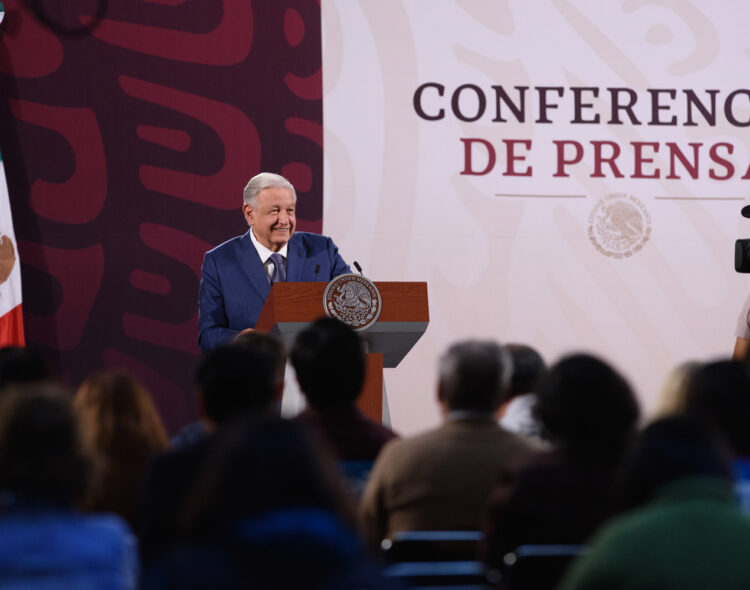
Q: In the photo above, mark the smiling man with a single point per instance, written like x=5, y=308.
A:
x=236, y=276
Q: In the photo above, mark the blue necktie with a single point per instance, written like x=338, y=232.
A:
x=279, y=272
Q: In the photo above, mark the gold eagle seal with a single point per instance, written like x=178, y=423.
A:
x=354, y=300
x=619, y=225
x=7, y=258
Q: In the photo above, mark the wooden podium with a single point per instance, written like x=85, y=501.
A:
x=290, y=307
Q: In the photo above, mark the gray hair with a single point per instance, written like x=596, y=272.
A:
x=474, y=375
x=264, y=180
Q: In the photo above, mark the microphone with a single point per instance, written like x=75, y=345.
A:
x=358, y=267
x=317, y=270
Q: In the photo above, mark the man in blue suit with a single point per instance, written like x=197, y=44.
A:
x=236, y=276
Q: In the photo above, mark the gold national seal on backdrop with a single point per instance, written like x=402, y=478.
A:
x=354, y=300
x=619, y=225
x=7, y=258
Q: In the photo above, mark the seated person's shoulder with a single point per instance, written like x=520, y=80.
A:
x=524, y=444
x=411, y=445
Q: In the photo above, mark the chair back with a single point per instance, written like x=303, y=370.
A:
x=435, y=559
x=536, y=567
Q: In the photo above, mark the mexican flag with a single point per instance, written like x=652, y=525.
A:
x=11, y=318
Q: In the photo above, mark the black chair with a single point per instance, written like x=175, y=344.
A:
x=435, y=560
x=535, y=567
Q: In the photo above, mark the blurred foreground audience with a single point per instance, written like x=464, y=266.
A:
x=267, y=512
x=272, y=346
x=232, y=382
x=718, y=394
x=249, y=500
x=22, y=365
x=211, y=378
x=517, y=410
x=329, y=360
x=441, y=480
x=121, y=424
x=686, y=532
x=44, y=475
x=589, y=413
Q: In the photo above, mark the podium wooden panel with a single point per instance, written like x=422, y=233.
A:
x=290, y=307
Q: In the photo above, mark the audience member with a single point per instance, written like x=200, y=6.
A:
x=441, y=480
x=270, y=344
x=232, y=382
x=329, y=360
x=672, y=395
x=267, y=512
x=22, y=365
x=528, y=371
x=561, y=496
x=263, y=343
x=121, y=424
x=44, y=473
x=719, y=394
x=685, y=533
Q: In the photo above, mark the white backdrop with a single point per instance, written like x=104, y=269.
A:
x=638, y=270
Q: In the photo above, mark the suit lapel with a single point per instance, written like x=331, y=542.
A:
x=253, y=268
x=296, y=260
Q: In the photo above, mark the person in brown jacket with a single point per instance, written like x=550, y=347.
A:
x=441, y=480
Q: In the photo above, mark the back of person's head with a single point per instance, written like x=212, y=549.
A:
x=528, y=369
x=668, y=450
x=268, y=343
x=719, y=392
x=22, y=365
x=260, y=465
x=115, y=408
x=42, y=457
x=587, y=408
x=267, y=511
x=474, y=376
x=235, y=380
x=329, y=359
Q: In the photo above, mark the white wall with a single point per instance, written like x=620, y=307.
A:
x=535, y=267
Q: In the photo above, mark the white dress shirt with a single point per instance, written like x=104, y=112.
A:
x=265, y=255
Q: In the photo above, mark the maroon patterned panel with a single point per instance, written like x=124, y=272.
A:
x=61, y=201
x=126, y=151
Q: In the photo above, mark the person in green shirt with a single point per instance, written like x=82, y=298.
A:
x=686, y=531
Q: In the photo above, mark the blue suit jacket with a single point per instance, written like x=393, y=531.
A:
x=234, y=285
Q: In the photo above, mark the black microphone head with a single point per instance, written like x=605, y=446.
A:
x=358, y=267
x=746, y=211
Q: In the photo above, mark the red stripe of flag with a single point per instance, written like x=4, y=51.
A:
x=11, y=328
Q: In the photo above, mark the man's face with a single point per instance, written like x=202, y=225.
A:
x=273, y=218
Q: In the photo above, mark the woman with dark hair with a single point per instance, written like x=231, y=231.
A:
x=44, y=473
x=122, y=426
x=588, y=412
x=267, y=512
